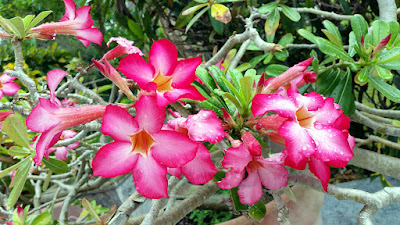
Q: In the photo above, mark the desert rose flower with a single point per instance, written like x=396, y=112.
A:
x=8, y=87
x=246, y=157
x=141, y=147
x=124, y=47
x=315, y=130
x=169, y=78
x=76, y=22
x=204, y=126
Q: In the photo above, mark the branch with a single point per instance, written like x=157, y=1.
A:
x=235, y=61
x=126, y=209
x=373, y=138
x=283, y=211
x=387, y=10
x=378, y=112
x=16, y=108
x=379, y=127
x=321, y=13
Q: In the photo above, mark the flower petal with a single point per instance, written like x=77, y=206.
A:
x=89, y=35
x=250, y=190
x=312, y=101
x=320, y=170
x=189, y=92
x=69, y=10
x=272, y=174
x=184, y=73
x=113, y=159
x=205, y=126
x=10, y=88
x=200, y=170
x=284, y=106
x=231, y=180
x=136, y=68
x=251, y=143
x=332, y=146
x=83, y=17
x=328, y=113
x=54, y=78
x=118, y=124
x=149, y=115
x=4, y=78
x=61, y=153
x=176, y=172
x=299, y=144
x=163, y=56
x=172, y=149
x=46, y=140
x=150, y=178
x=236, y=158
x=41, y=118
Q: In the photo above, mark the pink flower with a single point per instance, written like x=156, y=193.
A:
x=245, y=157
x=142, y=147
x=163, y=74
x=288, y=77
x=124, y=47
x=204, y=126
x=315, y=130
x=108, y=71
x=77, y=22
x=7, y=86
x=50, y=119
x=61, y=152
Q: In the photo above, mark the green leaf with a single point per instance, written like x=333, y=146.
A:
x=219, y=176
x=18, y=152
x=362, y=76
x=243, y=67
x=387, y=90
x=315, y=65
x=267, y=7
x=57, y=166
x=329, y=48
x=201, y=89
x=27, y=20
x=43, y=219
x=307, y=35
x=246, y=89
x=193, y=9
x=254, y=61
x=332, y=38
x=235, y=76
x=17, y=26
x=359, y=26
x=275, y=70
x=233, y=100
x=380, y=30
x=258, y=210
x=343, y=94
x=195, y=18
x=211, y=104
x=38, y=19
x=286, y=39
x=207, y=79
x=16, y=130
x=232, y=88
x=272, y=23
x=383, y=73
x=390, y=59
x=281, y=55
x=19, y=182
x=332, y=28
x=135, y=28
x=236, y=202
x=352, y=44
x=327, y=81
x=11, y=168
x=217, y=74
x=394, y=30
x=90, y=209
x=292, y=14
x=268, y=58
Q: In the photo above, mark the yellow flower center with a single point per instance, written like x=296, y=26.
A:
x=163, y=82
x=141, y=142
x=305, y=118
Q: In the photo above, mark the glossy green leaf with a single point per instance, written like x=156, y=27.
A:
x=383, y=73
x=16, y=130
x=90, y=209
x=5, y=25
x=219, y=176
x=19, y=182
x=201, y=89
x=135, y=28
x=38, y=19
x=286, y=39
x=27, y=20
x=327, y=81
x=235, y=76
x=331, y=49
x=332, y=28
x=195, y=18
x=332, y=38
x=268, y=59
x=394, y=30
x=17, y=26
x=258, y=210
x=315, y=65
x=217, y=74
x=272, y=23
x=246, y=89
x=236, y=202
x=211, y=104
x=204, y=76
x=292, y=14
x=254, y=61
x=390, y=59
x=57, y=166
x=359, y=26
x=18, y=152
x=11, y=168
x=268, y=7
x=380, y=30
x=362, y=76
x=307, y=35
x=193, y=9
x=233, y=100
x=43, y=219
x=243, y=67
x=232, y=88
x=275, y=70
x=281, y=55
x=387, y=90
x=343, y=93
x=352, y=44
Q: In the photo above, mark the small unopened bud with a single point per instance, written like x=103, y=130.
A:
x=381, y=45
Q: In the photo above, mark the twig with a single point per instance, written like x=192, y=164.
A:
x=373, y=138
x=126, y=209
x=379, y=127
x=235, y=61
x=378, y=112
x=172, y=194
x=16, y=108
x=321, y=13
x=283, y=211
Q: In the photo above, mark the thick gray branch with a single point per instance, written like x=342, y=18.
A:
x=387, y=10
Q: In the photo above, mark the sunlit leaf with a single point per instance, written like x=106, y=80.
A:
x=57, y=166
x=16, y=130
x=292, y=14
x=258, y=210
x=221, y=13
x=387, y=90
